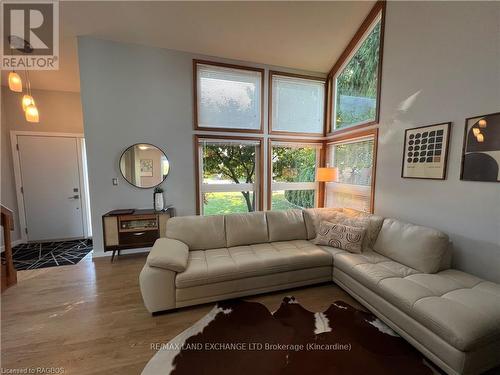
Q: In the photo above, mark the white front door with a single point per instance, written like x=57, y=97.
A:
x=52, y=190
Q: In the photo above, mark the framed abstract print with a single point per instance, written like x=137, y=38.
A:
x=481, y=150
x=425, y=153
x=146, y=167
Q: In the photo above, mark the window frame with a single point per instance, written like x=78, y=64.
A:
x=293, y=142
x=197, y=62
x=259, y=171
x=270, y=103
x=352, y=138
x=377, y=11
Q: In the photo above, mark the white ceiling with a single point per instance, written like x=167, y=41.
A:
x=302, y=35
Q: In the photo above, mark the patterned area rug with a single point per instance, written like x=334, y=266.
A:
x=239, y=337
x=34, y=255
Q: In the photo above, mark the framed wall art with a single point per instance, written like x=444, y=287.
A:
x=425, y=152
x=481, y=150
x=146, y=167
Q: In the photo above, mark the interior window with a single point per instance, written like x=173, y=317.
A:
x=355, y=96
x=293, y=175
x=229, y=176
x=297, y=104
x=228, y=98
x=354, y=162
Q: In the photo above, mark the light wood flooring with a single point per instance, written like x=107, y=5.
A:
x=90, y=319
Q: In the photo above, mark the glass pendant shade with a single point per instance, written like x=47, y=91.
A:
x=32, y=113
x=27, y=101
x=15, y=83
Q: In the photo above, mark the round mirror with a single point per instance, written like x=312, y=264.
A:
x=144, y=165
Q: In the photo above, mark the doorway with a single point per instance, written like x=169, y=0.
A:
x=52, y=186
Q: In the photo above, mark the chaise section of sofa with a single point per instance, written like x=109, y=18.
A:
x=450, y=316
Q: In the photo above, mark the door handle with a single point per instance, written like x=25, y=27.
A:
x=74, y=197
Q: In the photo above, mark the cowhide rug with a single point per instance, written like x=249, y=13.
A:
x=239, y=337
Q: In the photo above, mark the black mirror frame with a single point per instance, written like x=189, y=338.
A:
x=149, y=144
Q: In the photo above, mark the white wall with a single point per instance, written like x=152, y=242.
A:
x=135, y=94
x=443, y=60
x=59, y=112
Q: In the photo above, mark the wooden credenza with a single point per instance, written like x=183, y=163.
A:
x=133, y=228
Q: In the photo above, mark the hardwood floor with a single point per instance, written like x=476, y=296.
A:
x=90, y=319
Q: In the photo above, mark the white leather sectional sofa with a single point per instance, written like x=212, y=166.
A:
x=403, y=276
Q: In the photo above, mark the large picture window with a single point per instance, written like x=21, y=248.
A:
x=228, y=175
x=292, y=178
x=355, y=163
x=356, y=76
x=296, y=104
x=228, y=97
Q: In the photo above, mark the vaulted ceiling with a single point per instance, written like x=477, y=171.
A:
x=303, y=35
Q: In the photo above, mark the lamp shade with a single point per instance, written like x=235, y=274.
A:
x=326, y=174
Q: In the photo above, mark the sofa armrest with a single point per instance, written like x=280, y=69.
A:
x=169, y=254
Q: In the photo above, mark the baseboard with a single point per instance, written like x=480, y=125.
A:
x=14, y=243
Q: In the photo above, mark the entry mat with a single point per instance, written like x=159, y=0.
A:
x=33, y=255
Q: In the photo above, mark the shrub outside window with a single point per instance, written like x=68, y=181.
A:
x=293, y=169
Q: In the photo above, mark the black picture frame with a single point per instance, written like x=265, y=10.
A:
x=440, y=160
x=479, y=162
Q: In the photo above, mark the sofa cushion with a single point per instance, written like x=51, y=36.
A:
x=340, y=236
x=372, y=229
x=370, y=268
x=462, y=309
x=286, y=225
x=246, y=229
x=314, y=216
x=413, y=245
x=216, y=265
x=198, y=232
x=168, y=254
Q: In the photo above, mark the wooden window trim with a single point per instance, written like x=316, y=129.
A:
x=353, y=136
x=232, y=66
x=378, y=9
x=270, y=162
x=259, y=172
x=270, y=103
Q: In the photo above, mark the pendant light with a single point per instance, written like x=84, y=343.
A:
x=15, y=83
x=31, y=111
x=27, y=100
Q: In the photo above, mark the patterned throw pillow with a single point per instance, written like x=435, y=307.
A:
x=340, y=236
